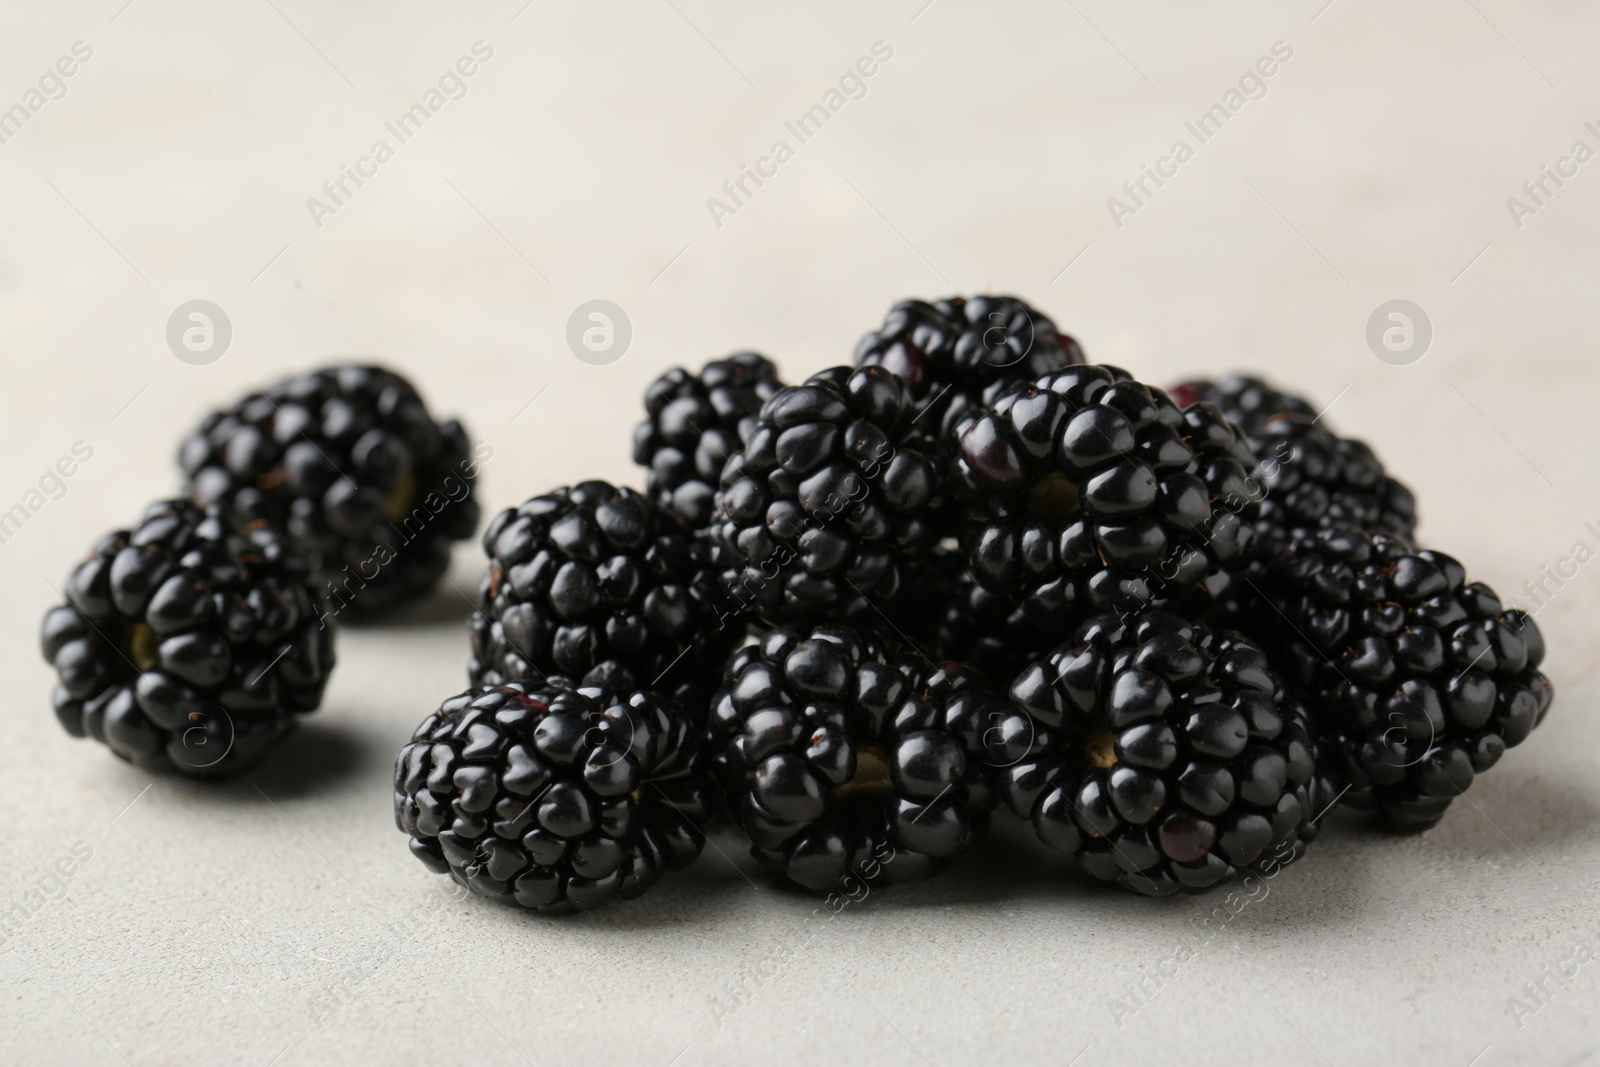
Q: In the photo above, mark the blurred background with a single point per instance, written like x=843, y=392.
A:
x=537, y=156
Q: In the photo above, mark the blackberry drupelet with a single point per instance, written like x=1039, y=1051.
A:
x=349, y=463
x=186, y=643
x=1171, y=756
x=1314, y=477
x=694, y=423
x=554, y=797
x=597, y=583
x=842, y=759
x=1418, y=679
x=832, y=500
x=952, y=353
x=1089, y=491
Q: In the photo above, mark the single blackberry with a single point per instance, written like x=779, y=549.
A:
x=1089, y=491
x=1172, y=759
x=954, y=352
x=348, y=462
x=1314, y=477
x=694, y=423
x=1418, y=679
x=554, y=797
x=186, y=643
x=840, y=759
x=596, y=583
x=831, y=501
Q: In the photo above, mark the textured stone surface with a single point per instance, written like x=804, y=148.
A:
x=280, y=916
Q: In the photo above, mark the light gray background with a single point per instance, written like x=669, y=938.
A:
x=280, y=916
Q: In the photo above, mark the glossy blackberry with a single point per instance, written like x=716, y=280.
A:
x=598, y=584
x=831, y=501
x=1418, y=679
x=349, y=463
x=186, y=643
x=953, y=352
x=1314, y=478
x=1171, y=758
x=841, y=760
x=1089, y=491
x=694, y=423
x=552, y=797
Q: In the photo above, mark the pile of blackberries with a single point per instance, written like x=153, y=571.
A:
x=855, y=617
x=196, y=638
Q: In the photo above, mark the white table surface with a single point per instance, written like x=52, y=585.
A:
x=280, y=916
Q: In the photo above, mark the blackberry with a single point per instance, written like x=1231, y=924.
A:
x=1172, y=756
x=1418, y=679
x=1089, y=491
x=953, y=352
x=596, y=583
x=833, y=498
x=554, y=797
x=348, y=462
x=1314, y=478
x=843, y=759
x=186, y=643
x=694, y=423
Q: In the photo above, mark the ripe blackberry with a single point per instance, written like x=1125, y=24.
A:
x=1090, y=491
x=831, y=501
x=1418, y=679
x=694, y=423
x=953, y=352
x=1172, y=758
x=1314, y=478
x=596, y=583
x=348, y=462
x=840, y=758
x=186, y=643
x=554, y=797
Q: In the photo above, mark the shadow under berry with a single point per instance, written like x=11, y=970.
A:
x=1518, y=813
x=314, y=759
x=443, y=606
